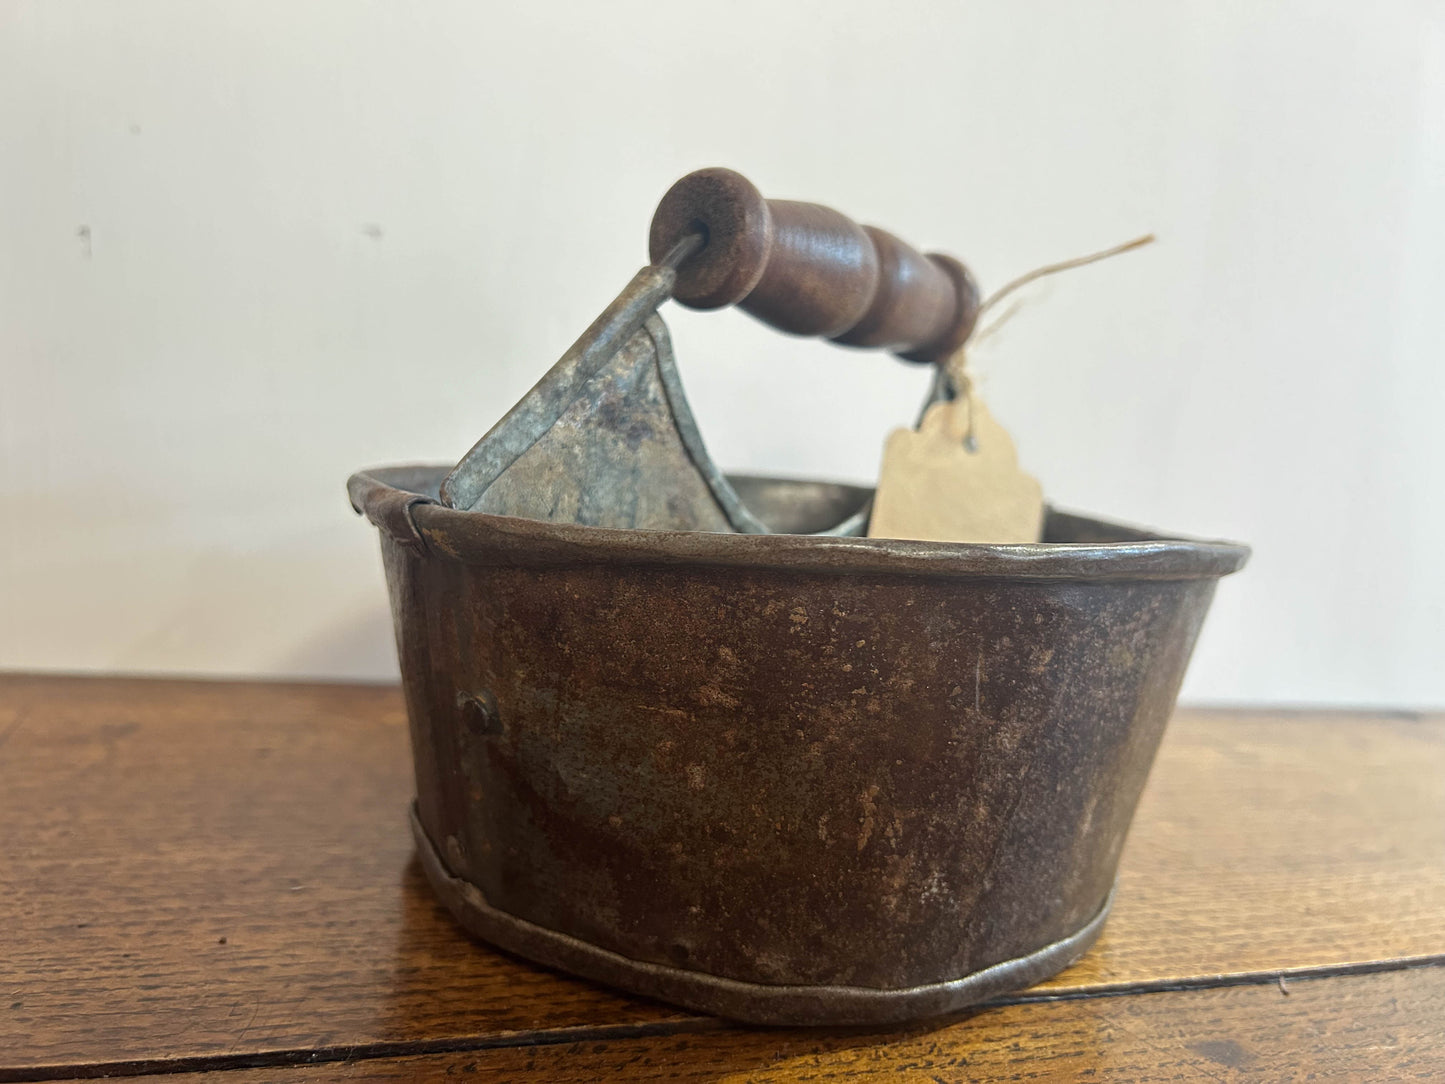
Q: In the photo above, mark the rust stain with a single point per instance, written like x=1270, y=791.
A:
x=870, y=811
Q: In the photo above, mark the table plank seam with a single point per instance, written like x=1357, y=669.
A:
x=1215, y=982
x=358, y=1052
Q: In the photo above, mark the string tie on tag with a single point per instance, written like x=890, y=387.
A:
x=955, y=368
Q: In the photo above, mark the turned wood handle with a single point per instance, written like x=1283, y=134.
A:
x=809, y=270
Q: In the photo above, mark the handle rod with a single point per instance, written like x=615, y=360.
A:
x=808, y=270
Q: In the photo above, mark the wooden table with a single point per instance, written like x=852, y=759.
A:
x=217, y=878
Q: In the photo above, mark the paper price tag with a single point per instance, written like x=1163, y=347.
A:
x=932, y=487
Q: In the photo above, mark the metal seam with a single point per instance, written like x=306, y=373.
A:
x=408, y=513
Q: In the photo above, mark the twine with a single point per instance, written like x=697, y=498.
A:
x=956, y=367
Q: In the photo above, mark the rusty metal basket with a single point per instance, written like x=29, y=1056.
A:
x=693, y=737
x=782, y=778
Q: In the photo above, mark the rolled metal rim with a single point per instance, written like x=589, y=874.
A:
x=401, y=500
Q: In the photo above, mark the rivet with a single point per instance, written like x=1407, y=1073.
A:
x=479, y=712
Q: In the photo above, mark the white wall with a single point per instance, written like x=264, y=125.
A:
x=335, y=234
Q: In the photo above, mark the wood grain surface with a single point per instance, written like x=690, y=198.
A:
x=1279, y=840
x=219, y=874
x=1375, y=1027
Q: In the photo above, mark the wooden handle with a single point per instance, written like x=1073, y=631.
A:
x=809, y=270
